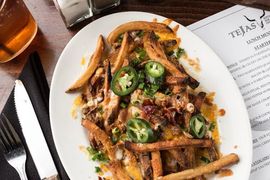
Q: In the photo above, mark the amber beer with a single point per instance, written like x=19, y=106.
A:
x=17, y=28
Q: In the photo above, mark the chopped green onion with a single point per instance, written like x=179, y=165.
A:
x=170, y=53
x=205, y=159
x=157, y=37
x=124, y=137
x=123, y=104
x=212, y=126
x=97, y=169
x=168, y=92
x=183, y=128
x=141, y=76
x=136, y=114
x=140, y=33
x=135, y=62
x=116, y=131
x=100, y=109
x=141, y=53
x=91, y=151
x=151, y=90
x=97, y=155
x=100, y=156
x=120, y=38
x=141, y=86
x=179, y=52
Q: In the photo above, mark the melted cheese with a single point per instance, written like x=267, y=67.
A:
x=83, y=61
x=165, y=36
x=210, y=112
x=167, y=134
x=78, y=102
x=104, y=167
x=133, y=172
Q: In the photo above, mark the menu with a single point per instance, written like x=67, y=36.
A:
x=241, y=38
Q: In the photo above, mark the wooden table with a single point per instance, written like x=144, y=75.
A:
x=52, y=35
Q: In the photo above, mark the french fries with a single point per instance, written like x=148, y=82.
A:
x=142, y=109
x=122, y=53
x=138, y=25
x=167, y=145
x=207, y=169
x=95, y=60
x=156, y=164
x=100, y=136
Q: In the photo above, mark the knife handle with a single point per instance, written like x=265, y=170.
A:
x=53, y=177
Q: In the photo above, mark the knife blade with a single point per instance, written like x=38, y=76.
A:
x=32, y=132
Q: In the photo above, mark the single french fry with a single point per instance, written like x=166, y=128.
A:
x=175, y=28
x=100, y=136
x=167, y=21
x=172, y=80
x=166, y=145
x=94, y=62
x=117, y=171
x=156, y=164
x=122, y=53
x=132, y=166
x=145, y=165
x=107, y=78
x=138, y=25
x=97, y=75
x=206, y=169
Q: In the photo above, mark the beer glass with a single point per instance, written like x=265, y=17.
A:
x=17, y=28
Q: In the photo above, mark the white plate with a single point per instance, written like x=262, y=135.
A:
x=68, y=134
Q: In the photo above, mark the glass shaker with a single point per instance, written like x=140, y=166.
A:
x=98, y=6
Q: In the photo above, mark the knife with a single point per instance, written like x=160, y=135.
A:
x=32, y=132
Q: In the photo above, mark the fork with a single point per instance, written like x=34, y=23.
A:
x=12, y=147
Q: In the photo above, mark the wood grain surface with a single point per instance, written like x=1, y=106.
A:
x=52, y=34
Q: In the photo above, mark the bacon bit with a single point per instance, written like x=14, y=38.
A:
x=169, y=114
x=224, y=172
x=149, y=109
x=221, y=112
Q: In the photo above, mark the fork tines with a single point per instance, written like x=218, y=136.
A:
x=9, y=139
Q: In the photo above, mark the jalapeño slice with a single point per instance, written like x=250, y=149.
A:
x=124, y=81
x=154, y=69
x=197, y=126
x=140, y=131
